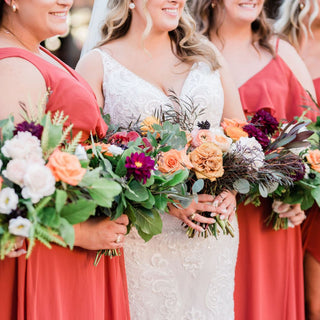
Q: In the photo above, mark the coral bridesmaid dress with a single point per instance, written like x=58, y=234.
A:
x=60, y=284
x=311, y=227
x=269, y=271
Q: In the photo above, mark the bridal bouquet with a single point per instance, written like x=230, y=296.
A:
x=44, y=187
x=240, y=156
x=131, y=157
x=284, y=146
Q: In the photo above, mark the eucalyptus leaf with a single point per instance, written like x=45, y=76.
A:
x=148, y=221
x=242, y=186
x=197, y=186
x=263, y=190
x=61, y=198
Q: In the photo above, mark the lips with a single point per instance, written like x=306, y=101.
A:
x=59, y=14
x=249, y=5
x=171, y=11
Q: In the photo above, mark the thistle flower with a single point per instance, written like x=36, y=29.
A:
x=34, y=129
x=254, y=132
x=139, y=166
x=265, y=121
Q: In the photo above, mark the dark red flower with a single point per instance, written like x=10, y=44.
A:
x=139, y=166
x=123, y=138
x=265, y=122
x=34, y=129
x=146, y=144
x=254, y=132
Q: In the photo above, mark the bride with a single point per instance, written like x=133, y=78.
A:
x=147, y=48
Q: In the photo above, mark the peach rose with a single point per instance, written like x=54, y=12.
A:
x=313, y=158
x=201, y=136
x=170, y=161
x=147, y=123
x=232, y=123
x=66, y=167
x=207, y=161
x=235, y=133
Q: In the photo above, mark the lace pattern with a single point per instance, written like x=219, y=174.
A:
x=171, y=276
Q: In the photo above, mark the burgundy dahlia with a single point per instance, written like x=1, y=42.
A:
x=139, y=166
x=265, y=121
x=34, y=129
x=123, y=138
x=254, y=132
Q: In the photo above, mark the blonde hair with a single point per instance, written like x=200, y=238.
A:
x=209, y=16
x=186, y=43
x=291, y=17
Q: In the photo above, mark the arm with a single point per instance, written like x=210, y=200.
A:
x=20, y=82
x=90, y=67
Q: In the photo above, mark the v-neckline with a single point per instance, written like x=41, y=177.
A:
x=150, y=84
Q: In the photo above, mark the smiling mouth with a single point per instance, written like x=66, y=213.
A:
x=59, y=14
x=171, y=11
x=247, y=5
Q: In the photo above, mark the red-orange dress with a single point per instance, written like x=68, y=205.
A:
x=269, y=273
x=311, y=227
x=60, y=284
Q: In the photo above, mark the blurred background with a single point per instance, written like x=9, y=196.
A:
x=68, y=47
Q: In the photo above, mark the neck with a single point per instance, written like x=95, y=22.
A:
x=20, y=37
x=152, y=42
x=232, y=35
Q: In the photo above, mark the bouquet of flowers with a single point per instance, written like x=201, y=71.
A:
x=131, y=157
x=283, y=145
x=44, y=187
x=238, y=156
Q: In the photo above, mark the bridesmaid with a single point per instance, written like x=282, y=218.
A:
x=299, y=21
x=55, y=284
x=266, y=258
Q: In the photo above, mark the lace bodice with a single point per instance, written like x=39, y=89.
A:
x=171, y=276
x=128, y=96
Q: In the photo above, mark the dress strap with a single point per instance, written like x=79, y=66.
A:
x=277, y=46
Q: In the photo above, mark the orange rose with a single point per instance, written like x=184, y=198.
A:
x=65, y=167
x=207, y=161
x=313, y=158
x=235, y=133
x=232, y=123
x=170, y=161
x=147, y=123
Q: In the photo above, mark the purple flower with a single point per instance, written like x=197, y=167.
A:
x=254, y=132
x=140, y=166
x=265, y=121
x=34, y=129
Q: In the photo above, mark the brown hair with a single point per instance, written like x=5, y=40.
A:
x=187, y=44
x=209, y=16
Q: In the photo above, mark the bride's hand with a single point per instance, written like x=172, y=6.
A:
x=101, y=233
x=189, y=214
x=225, y=204
x=17, y=250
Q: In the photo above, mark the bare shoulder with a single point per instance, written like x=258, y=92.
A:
x=20, y=81
x=92, y=59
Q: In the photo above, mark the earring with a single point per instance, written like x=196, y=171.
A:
x=14, y=8
x=213, y=5
x=132, y=5
x=301, y=5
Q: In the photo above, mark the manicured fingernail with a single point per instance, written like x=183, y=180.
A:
x=222, y=217
x=201, y=230
x=212, y=214
x=215, y=204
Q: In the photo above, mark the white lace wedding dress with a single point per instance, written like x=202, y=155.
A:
x=172, y=276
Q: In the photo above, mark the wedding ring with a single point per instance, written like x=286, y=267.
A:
x=192, y=216
x=118, y=238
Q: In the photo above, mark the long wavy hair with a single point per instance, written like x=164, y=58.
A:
x=186, y=43
x=210, y=19
x=295, y=22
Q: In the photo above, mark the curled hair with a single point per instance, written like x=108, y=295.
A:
x=187, y=45
x=210, y=19
x=291, y=20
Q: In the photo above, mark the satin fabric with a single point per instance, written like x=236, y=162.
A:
x=57, y=283
x=269, y=270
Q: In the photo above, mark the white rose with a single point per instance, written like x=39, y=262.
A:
x=81, y=153
x=115, y=150
x=15, y=171
x=20, y=227
x=8, y=200
x=251, y=150
x=22, y=146
x=38, y=182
